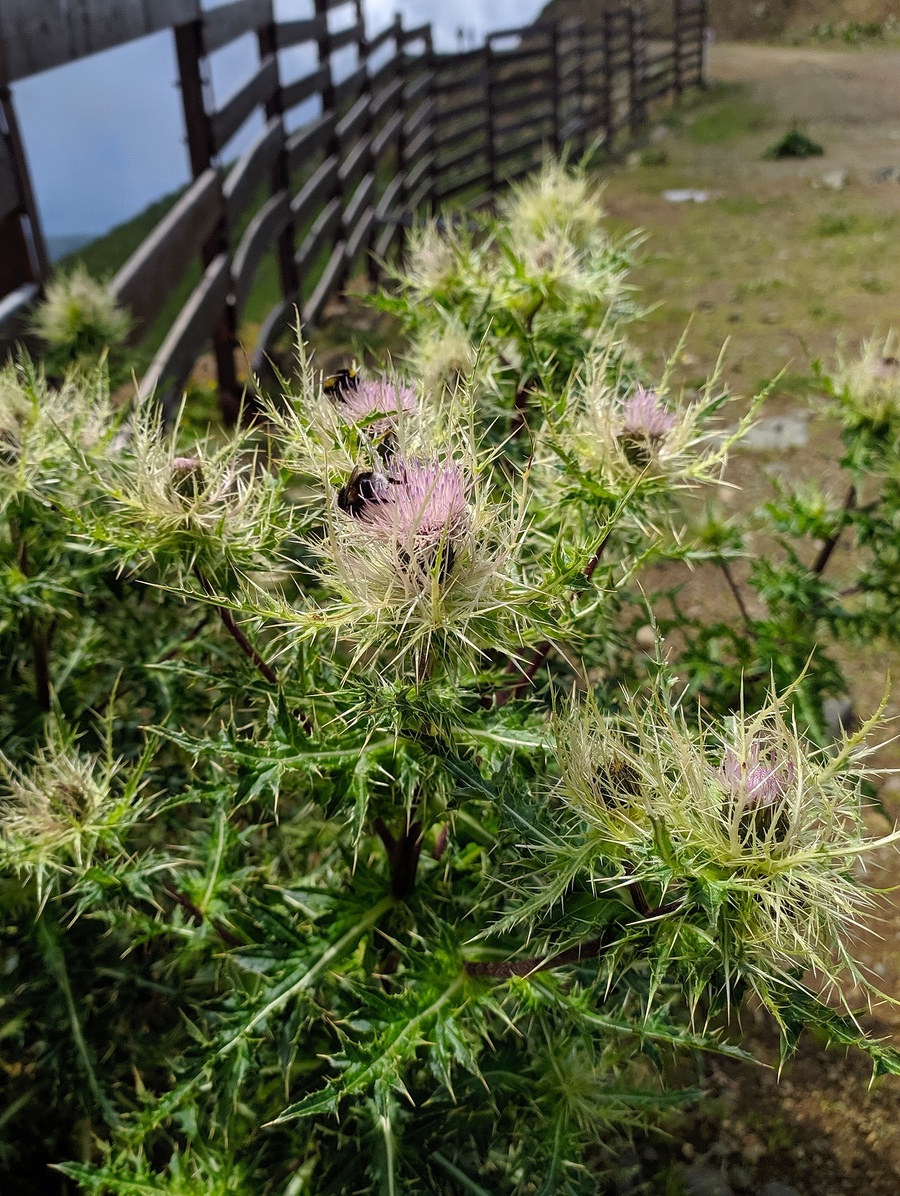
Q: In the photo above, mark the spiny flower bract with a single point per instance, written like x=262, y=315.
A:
x=745, y=831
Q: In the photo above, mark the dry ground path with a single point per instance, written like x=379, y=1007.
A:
x=785, y=260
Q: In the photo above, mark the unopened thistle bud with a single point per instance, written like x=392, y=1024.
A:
x=187, y=476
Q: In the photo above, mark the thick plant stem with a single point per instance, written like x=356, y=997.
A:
x=40, y=639
x=831, y=543
x=403, y=855
x=235, y=632
x=542, y=651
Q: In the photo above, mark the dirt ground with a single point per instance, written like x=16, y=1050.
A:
x=785, y=260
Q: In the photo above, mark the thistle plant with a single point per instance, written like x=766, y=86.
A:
x=317, y=876
x=78, y=321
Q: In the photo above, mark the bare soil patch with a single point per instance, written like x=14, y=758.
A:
x=786, y=261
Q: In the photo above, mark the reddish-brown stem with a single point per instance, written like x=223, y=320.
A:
x=542, y=651
x=503, y=969
x=831, y=543
x=403, y=855
x=235, y=632
x=736, y=593
x=195, y=913
x=191, y=635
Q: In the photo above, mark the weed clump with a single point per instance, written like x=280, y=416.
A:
x=794, y=144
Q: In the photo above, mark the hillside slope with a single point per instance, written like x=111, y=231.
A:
x=744, y=19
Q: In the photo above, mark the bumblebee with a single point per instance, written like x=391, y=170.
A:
x=337, y=385
x=364, y=486
x=617, y=780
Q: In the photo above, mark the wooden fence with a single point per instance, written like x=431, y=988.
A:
x=404, y=130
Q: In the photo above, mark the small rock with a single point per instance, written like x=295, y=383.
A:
x=884, y=174
x=685, y=195
x=778, y=432
x=706, y=1181
x=659, y=132
x=776, y=1188
x=645, y=638
x=770, y=317
x=633, y=160
x=840, y=717
x=835, y=180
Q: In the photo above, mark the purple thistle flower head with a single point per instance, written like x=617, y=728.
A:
x=421, y=505
x=644, y=417
x=884, y=368
x=758, y=781
x=378, y=398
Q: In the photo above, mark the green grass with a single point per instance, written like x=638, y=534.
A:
x=731, y=114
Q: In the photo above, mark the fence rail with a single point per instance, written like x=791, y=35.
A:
x=403, y=130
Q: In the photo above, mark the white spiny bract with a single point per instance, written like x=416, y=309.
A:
x=630, y=438
x=48, y=434
x=557, y=200
x=445, y=358
x=533, y=291
x=867, y=389
x=65, y=811
x=745, y=831
x=213, y=506
x=78, y=319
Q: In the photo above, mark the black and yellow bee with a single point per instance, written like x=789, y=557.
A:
x=364, y=486
x=617, y=780
x=338, y=384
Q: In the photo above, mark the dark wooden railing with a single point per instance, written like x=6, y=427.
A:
x=406, y=129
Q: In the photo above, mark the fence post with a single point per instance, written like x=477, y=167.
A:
x=489, y=113
x=431, y=146
x=636, y=67
x=367, y=162
x=400, y=154
x=579, y=50
x=678, y=71
x=609, y=114
x=190, y=53
x=704, y=22
x=24, y=257
x=285, y=246
x=329, y=100
x=555, y=87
